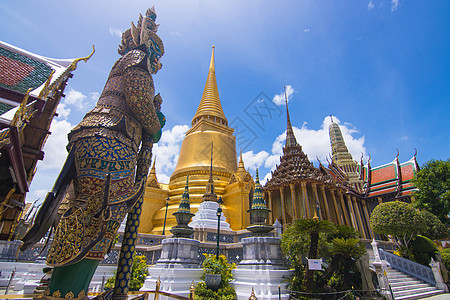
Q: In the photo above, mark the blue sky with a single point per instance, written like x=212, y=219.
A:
x=382, y=68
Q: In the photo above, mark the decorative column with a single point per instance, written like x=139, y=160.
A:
x=294, y=201
x=283, y=208
x=270, y=207
x=352, y=211
x=338, y=212
x=358, y=215
x=316, y=195
x=306, y=214
x=344, y=210
x=366, y=214
x=327, y=208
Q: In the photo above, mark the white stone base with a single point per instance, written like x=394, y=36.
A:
x=206, y=217
x=174, y=280
x=264, y=282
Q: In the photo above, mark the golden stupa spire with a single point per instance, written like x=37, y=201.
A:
x=210, y=106
x=210, y=195
x=241, y=168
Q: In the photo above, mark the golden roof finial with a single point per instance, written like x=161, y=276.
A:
x=210, y=106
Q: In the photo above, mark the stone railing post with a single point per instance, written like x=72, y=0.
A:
x=438, y=276
x=380, y=269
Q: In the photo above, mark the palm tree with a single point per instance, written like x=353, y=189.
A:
x=345, y=252
x=312, y=227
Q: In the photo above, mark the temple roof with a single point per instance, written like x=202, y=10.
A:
x=22, y=70
x=294, y=164
x=393, y=177
x=210, y=106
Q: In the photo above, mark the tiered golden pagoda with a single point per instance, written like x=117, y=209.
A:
x=232, y=183
x=342, y=159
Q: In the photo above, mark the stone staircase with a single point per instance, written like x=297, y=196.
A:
x=404, y=286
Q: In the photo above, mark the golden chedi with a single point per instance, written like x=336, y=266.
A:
x=231, y=182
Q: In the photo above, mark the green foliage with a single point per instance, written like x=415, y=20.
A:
x=423, y=249
x=446, y=257
x=339, y=245
x=225, y=293
x=433, y=182
x=345, y=253
x=139, y=272
x=212, y=265
x=435, y=229
x=345, y=232
x=399, y=219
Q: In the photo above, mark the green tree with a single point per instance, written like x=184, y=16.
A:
x=433, y=182
x=435, y=229
x=398, y=219
x=301, y=228
x=345, y=253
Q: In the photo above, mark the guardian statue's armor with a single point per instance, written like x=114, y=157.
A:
x=109, y=157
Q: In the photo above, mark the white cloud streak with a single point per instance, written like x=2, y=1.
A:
x=394, y=4
x=167, y=151
x=370, y=6
x=115, y=32
x=279, y=99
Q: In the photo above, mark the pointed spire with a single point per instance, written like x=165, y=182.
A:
x=210, y=106
x=258, y=201
x=209, y=194
x=185, y=205
x=152, y=181
x=290, y=137
x=241, y=167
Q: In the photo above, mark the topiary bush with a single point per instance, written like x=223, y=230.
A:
x=423, y=249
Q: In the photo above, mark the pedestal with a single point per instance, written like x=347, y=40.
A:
x=262, y=269
x=206, y=217
x=178, y=266
x=9, y=250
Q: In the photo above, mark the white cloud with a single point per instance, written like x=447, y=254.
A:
x=55, y=147
x=306, y=30
x=93, y=96
x=167, y=150
x=404, y=138
x=63, y=111
x=254, y=161
x=76, y=99
x=394, y=4
x=115, y=32
x=370, y=6
x=279, y=99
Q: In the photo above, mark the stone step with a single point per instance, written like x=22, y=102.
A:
x=420, y=295
x=392, y=280
x=406, y=287
x=403, y=283
x=414, y=291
